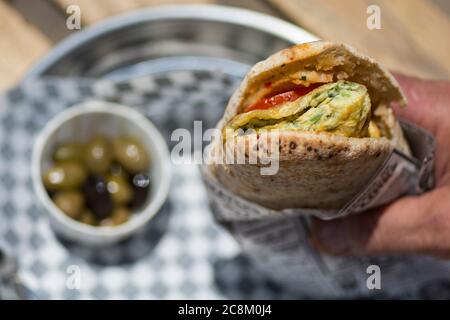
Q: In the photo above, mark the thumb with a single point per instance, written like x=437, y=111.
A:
x=412, y=224
x=426, y=99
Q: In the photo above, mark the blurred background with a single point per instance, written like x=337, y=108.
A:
x=191, y=256
x=414, y=35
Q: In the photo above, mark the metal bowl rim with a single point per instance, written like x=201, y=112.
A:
x=214, y=13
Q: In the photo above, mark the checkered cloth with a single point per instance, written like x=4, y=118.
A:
x=181, y=254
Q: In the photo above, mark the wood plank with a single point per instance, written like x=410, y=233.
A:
x=20, y=45
x=444, y=5
x=413, y=39
x=44, y=16
x=94, y=11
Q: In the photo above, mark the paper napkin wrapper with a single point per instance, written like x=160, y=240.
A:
x=278, y=241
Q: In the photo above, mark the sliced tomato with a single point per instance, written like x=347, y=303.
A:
x=279, y=98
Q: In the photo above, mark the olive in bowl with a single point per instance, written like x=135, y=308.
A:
x=101, y=171
x=99, y=176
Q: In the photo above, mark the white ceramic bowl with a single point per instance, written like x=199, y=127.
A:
x=79, y=123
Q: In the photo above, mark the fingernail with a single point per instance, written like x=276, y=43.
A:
x=332, y=237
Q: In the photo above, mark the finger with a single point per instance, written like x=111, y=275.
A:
x=411, y=224
x=424, y=100
x=428, y=102
x=413, y=90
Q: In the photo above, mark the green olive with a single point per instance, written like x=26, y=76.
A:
x=117, y=170
x=87, y=217
x=98, y=155
x=131, y=154
x=65, y=175
x=70, y=202
x=119, y=216
x=107, y=222
x=119, y=188
x=69, y=152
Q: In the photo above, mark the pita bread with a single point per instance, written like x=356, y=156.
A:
x=316, y=170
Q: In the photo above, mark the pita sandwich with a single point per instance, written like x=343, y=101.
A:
x=331, y=109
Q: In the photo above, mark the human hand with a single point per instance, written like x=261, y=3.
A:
x=413, y=224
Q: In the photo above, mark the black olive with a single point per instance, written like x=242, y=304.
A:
x=141, y=189
x=98, y=199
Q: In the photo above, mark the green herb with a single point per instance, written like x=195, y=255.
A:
x=303, y=77
x=315, y=118
x=332, y=94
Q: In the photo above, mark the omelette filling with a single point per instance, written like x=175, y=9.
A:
x=341, y=108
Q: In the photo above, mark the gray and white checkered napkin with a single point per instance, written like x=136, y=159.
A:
x=182, y=253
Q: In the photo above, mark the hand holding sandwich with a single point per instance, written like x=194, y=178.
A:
x=415, y=224
x=331, y=106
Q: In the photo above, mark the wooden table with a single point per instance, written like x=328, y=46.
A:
x=414, y=37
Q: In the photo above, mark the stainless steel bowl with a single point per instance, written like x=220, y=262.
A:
x=160, y=39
